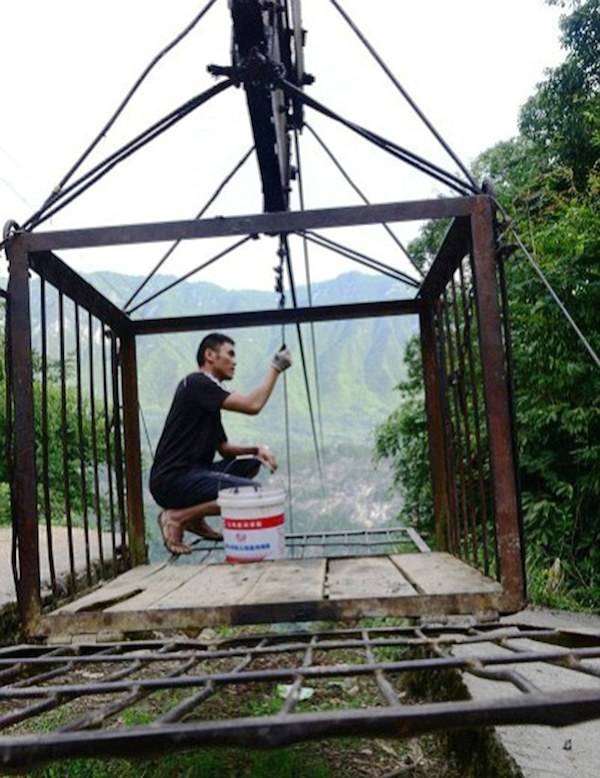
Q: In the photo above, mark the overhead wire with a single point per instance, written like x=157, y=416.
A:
x=462, y=188
x=284, y=248
x=540, y=273
x=377, y=57
x=359, y=257
x=361, y=194
x=313, y=338
x=138, y=82
x=280, y=290
x=192, y=272
x=93, y=175
x=199, y=215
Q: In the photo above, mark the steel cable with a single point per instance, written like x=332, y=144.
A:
x=155, y=60
x=373, y=52
x=309, y=290
x=361, y=194
x=284, y=246
x=587, y=345
x=199, y=215
x=102, y=168
x=409, y=157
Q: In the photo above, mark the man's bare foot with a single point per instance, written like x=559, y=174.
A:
x=200, y=527
x=172, y=534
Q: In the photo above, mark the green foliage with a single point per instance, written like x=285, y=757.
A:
x=54, y=441
x=549, y=178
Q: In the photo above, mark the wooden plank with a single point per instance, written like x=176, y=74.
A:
x=216, y=585
x=441, y=573
x=417, y=540
x=365, y=577
x=289, y=581
x=163, y=583
x=131, y=581
x=409, y=606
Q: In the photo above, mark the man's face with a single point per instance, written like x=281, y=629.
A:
x=222, y=361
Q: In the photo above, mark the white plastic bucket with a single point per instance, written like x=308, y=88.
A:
x=253, y=523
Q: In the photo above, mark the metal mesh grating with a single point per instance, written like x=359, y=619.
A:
x=52, y=697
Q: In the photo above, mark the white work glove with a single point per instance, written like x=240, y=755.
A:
x=282, y=359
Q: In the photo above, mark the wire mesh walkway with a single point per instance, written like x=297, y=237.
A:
x=184, y=688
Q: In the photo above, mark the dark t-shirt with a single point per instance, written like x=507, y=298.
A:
x=193, y=428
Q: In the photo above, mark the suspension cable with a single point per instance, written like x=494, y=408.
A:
x=373, y=52
x=285, y=250
x=587, y=345
x=416, y=161
x=199, y=215
x=192, y=272
x=146, y=433
x=280, y=291
x=153, y=62
x=313, y=338
x=102, y=168
x=359, y=257
x=361, y=194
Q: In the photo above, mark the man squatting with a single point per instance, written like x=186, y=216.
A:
x=184, y=480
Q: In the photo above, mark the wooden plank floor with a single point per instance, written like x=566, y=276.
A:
x=171, y=596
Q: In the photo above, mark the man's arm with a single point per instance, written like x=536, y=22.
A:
x=229, y=451
x=253, y=402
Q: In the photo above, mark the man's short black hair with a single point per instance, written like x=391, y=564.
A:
x=212, y=341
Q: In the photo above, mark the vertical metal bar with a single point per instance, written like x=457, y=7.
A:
x=45, y=437
x=96, y=478
x=497, y=405
x=118, y=440
x=107, y=452
x=23, y=466
x=467, y=314
x=64, y=433
x=133, y=456
x=511, y=400
x=81, y=447
x=435, y=427
x=456, y=426
x=464, y=411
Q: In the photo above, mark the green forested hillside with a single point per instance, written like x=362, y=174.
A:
x=359, y=362
x=548, y=178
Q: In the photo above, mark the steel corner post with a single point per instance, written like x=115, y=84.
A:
x=133, y=458
x=497, y=403
x=24, y=486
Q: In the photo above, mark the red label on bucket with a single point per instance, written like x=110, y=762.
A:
x=249, y=524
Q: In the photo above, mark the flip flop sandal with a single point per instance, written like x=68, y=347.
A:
x=165, y=540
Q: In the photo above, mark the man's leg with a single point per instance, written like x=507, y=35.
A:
x=174, y=521
x=224, y=474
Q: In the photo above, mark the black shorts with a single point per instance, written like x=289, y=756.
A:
x=185, y=488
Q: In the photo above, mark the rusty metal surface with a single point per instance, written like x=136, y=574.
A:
x=94, y=683
x=255, y=224
x=499, y=420
x=274, y=317
x=133, y=457
x=23, y=465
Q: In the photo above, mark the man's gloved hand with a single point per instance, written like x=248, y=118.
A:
x=282, y=359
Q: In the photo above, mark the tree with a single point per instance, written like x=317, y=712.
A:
x=549, y=178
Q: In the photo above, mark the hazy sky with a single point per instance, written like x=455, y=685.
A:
x=469, y=64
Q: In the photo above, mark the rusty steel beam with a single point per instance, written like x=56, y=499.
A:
x=454, y=248
x=499, y=419
x=276, y=317
x=50, y=267
x=24, y=487
x=133, y=457
x=436, y=427
x=263, y=223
